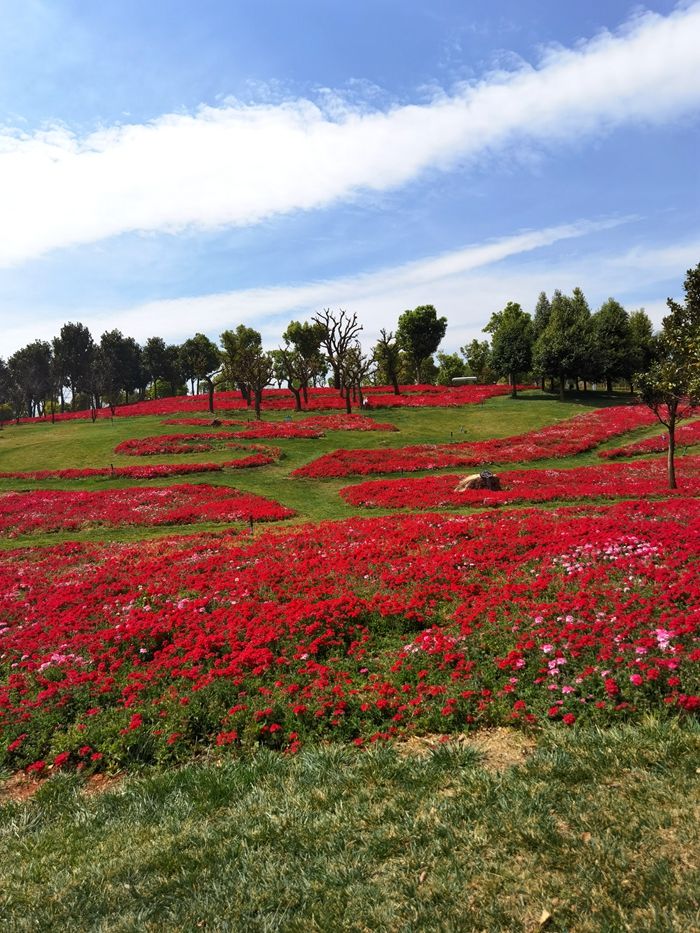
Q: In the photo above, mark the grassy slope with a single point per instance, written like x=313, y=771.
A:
x=597, y=828
x=83, y=444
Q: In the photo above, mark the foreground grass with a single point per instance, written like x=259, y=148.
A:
x=597, y=828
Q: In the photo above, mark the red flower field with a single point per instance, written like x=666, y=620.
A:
x=365, y=628
x=320, y=399
x=611, y=480
x=564, y=439
x=318, y=425
x=168, y=444
x=45, y=510
x=687, y=435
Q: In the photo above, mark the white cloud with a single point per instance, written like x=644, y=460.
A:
x=466, y=285
x=238, y=164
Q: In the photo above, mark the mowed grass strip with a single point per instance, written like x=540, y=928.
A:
x=598, y=829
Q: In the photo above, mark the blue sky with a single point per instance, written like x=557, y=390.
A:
x=172, y=167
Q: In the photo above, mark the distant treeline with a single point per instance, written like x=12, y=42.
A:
x=561, y=343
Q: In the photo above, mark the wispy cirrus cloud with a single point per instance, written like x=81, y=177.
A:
x=240, y=164
x=466, y=285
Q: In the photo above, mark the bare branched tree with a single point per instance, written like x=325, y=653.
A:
x=340, y=330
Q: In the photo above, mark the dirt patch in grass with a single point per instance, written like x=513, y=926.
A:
x=18, y=788
x=99, y=783
x=499, y=748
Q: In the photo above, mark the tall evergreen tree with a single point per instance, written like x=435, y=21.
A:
x=613, y=341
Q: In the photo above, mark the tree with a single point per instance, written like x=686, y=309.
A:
x=339, y=331
x=564, y=348
x=387, y=356
x=75, y=352
x=155, y=361
x=257, y=370
x=543, y=311
x=303, y=341
x=117, y=366
x=613, y=341
x=354, y=374
x=478, y=357
x=641, y=344
x=238, y=347
x=419, y=333
x=511, y=343
x=30, y=371
x=671, y=386
x=199, y=357
x=451, y=365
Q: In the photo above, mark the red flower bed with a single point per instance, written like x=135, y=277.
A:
x=359, y=629
x=198, y=443
x=282, y=400
x=148, y=471
x=318, y=424
x=563, y=439
x=60, y=510
x=610, y=480
x=687, y=435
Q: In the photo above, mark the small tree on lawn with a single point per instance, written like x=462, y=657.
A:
x=511, y=343
x=671, y=386
x=387, y=356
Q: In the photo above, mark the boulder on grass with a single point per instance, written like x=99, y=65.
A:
x=483, y=480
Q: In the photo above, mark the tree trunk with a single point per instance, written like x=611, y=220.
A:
x=608, y=385
x=297, y=397
x=542, y=382
x=63, y=401
x=672, y=484
x=562, y=379
x=348, y=403
x=306, y=394
x=513, y=386
x=211, y=397
x=258, y=400
x=395, y=383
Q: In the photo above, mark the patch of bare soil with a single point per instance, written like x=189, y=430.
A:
x=18, y=787
x=500, y=748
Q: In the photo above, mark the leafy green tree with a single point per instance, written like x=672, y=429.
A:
x=671, y=385
x=419, y=333
x=199, y=357
x=387, y=356
x=450, y=366
x=564, y=347
x=30, y=371
x=641, y=344
x=238, y=347
x=75, y=349
x=477, y=353
x=543, y=311
x=511, y=343
x=303, y=340
x=613, y=341
x=155, y=361
x=172, y=371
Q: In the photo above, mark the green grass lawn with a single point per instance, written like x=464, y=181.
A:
x=597, y=829
x=590, y=831
x=76, y=444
